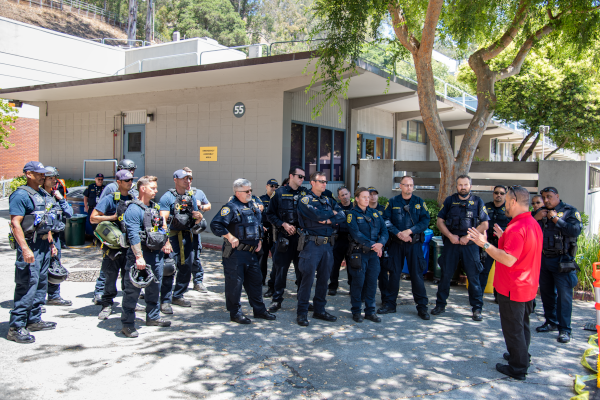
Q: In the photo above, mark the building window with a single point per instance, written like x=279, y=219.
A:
x=373, y=147
x=413, y=131
x=318, y=148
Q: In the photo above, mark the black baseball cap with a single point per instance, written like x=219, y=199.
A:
x=99, y=175
x=35, y=166
x=272, y=182
x=372, y=189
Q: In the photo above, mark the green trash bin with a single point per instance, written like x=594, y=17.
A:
x=75, y=230
x=435, y=251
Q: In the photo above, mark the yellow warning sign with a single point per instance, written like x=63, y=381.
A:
x=208, y=153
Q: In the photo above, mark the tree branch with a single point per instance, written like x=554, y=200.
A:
x=529, y=151
x=401, y=29
x=522, y=145
x=557, y=148
x=432, y=18
x=498, y=47
x=515, y=67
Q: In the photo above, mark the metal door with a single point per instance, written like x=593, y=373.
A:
x=134, y=146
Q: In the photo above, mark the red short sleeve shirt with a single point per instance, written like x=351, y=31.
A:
x=521, y=239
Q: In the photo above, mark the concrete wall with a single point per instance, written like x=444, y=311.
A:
x=377, y=173
x=185, y=120
x=45, y=56
x=592, y=209
x=301, y=110
x=375, y=122
x=569, y=177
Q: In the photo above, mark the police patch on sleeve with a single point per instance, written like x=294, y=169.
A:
x=225, y=211
x=485, y=210
x=386, y=205
x=425, y=207
x=578, y=216
x=349, y=218
x=304, y=200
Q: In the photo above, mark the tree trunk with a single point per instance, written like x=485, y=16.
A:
x=131, y=23
x=529, y=151
x=522, y=145
x=149, y=21
x=556, y=149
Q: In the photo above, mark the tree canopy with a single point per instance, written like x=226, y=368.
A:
x=8, y=116
x=418, y=26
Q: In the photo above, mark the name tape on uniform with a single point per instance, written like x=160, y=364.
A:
x=208, y=153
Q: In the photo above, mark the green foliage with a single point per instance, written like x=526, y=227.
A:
x=383, y=200
x=8, y=116
x=550, y=90
x=434, y=209
x=17, y=181
x=585, y=220
x=69, y=183
x=587, y=254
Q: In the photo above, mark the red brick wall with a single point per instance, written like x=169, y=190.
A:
x=26, y=147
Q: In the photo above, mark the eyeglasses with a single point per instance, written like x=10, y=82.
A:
x=500, y=193
x=274, y=186
x=100, y=179
x=127, y=180
x=321, y=182
x=244, y=191
x=299, y=176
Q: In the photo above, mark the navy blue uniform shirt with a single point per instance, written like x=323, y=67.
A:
x=367, y=227
x=20, y=203
x=134, y=221
x=93, y=192
x=313, y=208
x=282, y=192
x=266, y=200
x=454, y=202
x=400, y=219
x=227, y=219
x=569, y=220
x=342, y=226
x=167, y=202
x=108, y=204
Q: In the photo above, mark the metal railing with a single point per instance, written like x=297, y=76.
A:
x=80, y=8
x=5, y=188
x=104, y=40
x=594, y=179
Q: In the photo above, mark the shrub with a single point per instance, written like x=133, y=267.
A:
x=434, y=209
x=18, y=181
x=588, y=248
x=73, y=182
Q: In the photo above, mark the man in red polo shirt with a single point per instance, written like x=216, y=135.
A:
x=518, y=260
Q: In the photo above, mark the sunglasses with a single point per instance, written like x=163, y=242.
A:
x=321, y=182
x=500, y=193
x=274, y=186
x=299, y=176
x=549, y=189
x=127, y=180
x=189, y=178
x=244, y=191
x=100, y=179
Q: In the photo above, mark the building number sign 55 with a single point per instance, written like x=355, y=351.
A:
x=239, y=109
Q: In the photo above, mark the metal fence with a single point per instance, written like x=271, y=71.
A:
x=594, y=179
x=80, y=8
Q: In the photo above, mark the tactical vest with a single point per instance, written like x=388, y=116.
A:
x=152, y=235
x=555, y=244
x=288, y=207
x=57, y=209
x=43, y=219
x=463, y=216
x=309, y=223
x=182, y=220
x=497, y=216
x=247, y=222
x=121, y=208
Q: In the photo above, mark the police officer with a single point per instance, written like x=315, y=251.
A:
x=110, y=208
x=340, y=247
x=283, y=214
x=91, y=196
x=497, y=212
x=272, y=185
x=461, y=211
x=561, y=225
x=239, y=222
x=124, y=164
x=63, y=211
x=31, y=222
x=197, y=269
x=407, y=218
x=384, y=260
x=148, y=240
x=316, y=214
x=179, y=207
x=369, y=235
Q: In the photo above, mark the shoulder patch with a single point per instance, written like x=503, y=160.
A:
x=230, y=198
x=380, y=212
x=376, y=214
x=503, y=208
x=418, y=206
x=485, y=210
x=425, y=207
x=386, y=205
x=304, y=200
x=471, y=202
x=349, y=218
x=578, y=216
x=225, y=211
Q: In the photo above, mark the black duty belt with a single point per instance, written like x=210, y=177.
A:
x=246, y=247
x=319, y=240
x=552, y=253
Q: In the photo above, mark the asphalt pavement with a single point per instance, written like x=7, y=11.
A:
x=204, y=355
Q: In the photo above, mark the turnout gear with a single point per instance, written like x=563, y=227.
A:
x=44, y=218
x=153, y=236
x=141, y=278
x=181, y=219
x=56, y=272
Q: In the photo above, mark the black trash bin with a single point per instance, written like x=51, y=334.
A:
x=75, y=230
x=435, y=251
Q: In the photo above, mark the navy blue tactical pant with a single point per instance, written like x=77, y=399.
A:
x=281, y=264
x=413, y=253
x=340, y=250
x=319, y=260
x=364, y=283
x=110, y=268
x=197, y=268
x=385, y=273
x=154, y=260
x=31, y=284
x=241, y=269
x=556, y=289
x=185, y=264
x=53, y=289
x=100, y=283
x=264, y=261
x=472, y=264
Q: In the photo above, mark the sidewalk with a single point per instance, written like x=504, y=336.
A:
x=204, y=355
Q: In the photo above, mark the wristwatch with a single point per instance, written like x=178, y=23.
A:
x=486, y=246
